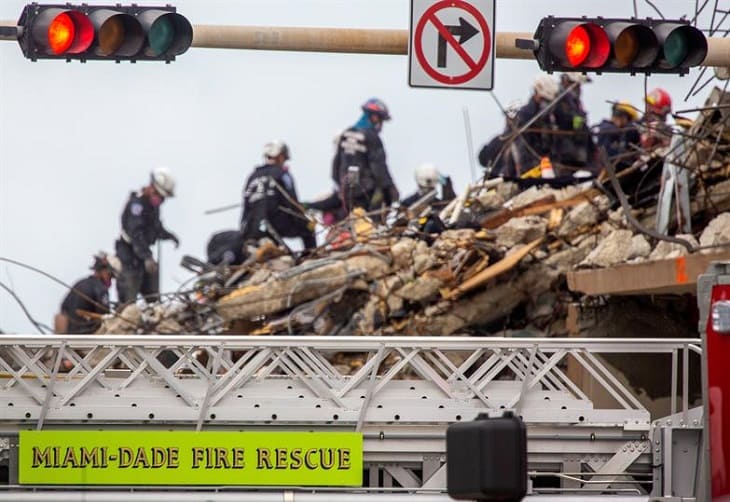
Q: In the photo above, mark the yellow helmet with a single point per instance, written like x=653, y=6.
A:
x=626, y=108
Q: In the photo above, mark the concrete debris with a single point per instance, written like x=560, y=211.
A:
x=717, y=231
x=666, y=250
x=581, y=216
x=520, y=231
x=640, y=247
x=610, y=251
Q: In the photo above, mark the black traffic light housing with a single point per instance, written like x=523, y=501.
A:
x=103, y=32
x=618, y=45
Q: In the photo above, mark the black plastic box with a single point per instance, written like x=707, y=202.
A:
x=487, y=459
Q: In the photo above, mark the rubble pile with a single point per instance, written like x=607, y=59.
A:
x=500, y=279
x=498, y=268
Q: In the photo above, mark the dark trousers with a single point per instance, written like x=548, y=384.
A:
x=134, y=279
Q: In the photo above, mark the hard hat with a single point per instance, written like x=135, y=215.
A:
x=626, y=108
x=103, y=260
x=577, y=77
x=659, y=101
x=275, y=148
x=162, y=180
x=374, y=105
x=512, y=108
x=427, y=176
x=545, y=87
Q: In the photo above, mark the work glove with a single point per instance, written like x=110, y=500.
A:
x=377, y=198
x=172, y=237
x=150, y=265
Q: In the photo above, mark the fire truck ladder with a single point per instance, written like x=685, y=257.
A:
x=400, y=392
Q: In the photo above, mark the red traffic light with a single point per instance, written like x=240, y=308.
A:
x=618, y=45
x=109, y=32
x=62, y=31
x=587, y=45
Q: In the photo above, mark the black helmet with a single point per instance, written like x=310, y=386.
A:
x=374, y=105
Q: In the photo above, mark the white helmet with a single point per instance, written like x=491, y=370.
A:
x=545, y=87
x=162, y=180
x=427, y=176
x=513, y=108
x=275, y=148
x=577, y=77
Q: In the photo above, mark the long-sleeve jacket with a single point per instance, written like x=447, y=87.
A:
x=623, y=142
x=537, y=141
x=89, y=294
x=362, y=148
x=263, y=200
x=574, y=146
x=141, y=226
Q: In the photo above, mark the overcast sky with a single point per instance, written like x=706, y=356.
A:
x=75, y=138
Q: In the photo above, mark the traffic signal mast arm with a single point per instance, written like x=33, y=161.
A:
x=356, y=41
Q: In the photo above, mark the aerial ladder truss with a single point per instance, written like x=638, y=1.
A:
x=400, y=392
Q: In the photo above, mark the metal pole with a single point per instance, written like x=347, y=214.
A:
x=357, y=41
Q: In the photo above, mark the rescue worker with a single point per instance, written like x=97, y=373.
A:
x=141, y=228
x=619, y=135
x=573, y=143
x=499, y=156
x=359, y=167
x=656, y=132
x=537, y=142
x=226, y=248
x=428, y=178
x=89, y=295
x=270, y=205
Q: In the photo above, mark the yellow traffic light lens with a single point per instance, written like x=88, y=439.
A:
x=111, y=36
x=61, y=33
x=577, y=46
x=626, y=48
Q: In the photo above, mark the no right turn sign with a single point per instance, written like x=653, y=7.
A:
x=452, y=44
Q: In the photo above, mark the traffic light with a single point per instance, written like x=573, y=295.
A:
x=618, y=45
x=103, y=32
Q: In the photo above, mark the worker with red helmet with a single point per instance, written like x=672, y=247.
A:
x=359, y=168
x=657, y=132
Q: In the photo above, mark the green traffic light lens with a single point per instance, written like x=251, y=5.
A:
x=161, y=35
x=676, y=48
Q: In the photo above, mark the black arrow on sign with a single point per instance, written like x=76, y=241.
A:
x=464, y=31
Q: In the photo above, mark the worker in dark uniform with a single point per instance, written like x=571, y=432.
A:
x=89, y=295
x=359, y=167
x=428, y=178
x=141, y=228
x=573, y=144
x=270, y=204
x=537, y=141
x=619, y=135
x=499, y=155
